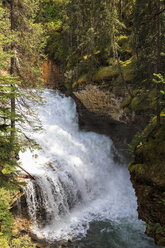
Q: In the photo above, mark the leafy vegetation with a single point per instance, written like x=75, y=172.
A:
x=117, y=43
x=21, y=46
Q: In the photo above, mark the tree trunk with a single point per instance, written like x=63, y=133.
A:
x=12, y=65
x=120, y=9
x=158, y=21
x=122, y=77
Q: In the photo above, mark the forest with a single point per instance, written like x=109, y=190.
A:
x=115, y=45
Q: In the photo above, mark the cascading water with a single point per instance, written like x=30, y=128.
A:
x=79, y=190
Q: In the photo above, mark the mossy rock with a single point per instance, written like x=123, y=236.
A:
x=106, y=73
x=156, y=228
x=152, y=155
x=148, y=178
x=81, y=80
x=139, y=169
x=132, y=163
x=111, y=72
x=161, y=242
x=139, y=103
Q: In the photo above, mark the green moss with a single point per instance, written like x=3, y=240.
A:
x=106, y=73
x=81, y=80
x=151, y=126
x=135, y=102
x=140, y=103
x=161, y=242
x=126, y=102
x=155, y=228
x=130, y=165
x=139, y=168
x=125, y=46
x=111, y=61
x=111, y=72
x=128, y=69
x=127, y=110
x=148, y=173
x=138, y=92
x=151, y=153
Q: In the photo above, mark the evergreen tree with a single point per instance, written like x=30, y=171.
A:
x=91, y=30
x=149, y=21
x=21, y=43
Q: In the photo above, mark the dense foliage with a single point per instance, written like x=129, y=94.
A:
x=21, y=46
x=117, y=43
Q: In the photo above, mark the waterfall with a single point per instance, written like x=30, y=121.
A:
x=77, y=181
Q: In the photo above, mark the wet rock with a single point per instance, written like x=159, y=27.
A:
x=35, y=156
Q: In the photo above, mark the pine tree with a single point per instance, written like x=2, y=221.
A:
x=91, y=28
x=149, y=26
x=15, y=57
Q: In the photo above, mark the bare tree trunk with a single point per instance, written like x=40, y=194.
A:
x=120, y=9
x=12, y=65
x=158, y=21
x=30, y=175
x=122, y=77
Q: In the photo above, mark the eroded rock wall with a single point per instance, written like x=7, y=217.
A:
x=100, y=110
x=53, y=76
x=148, y=179
x=102, y=102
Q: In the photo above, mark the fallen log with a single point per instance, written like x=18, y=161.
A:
x=32, y=177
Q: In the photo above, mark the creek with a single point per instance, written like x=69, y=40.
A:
x=79, y=191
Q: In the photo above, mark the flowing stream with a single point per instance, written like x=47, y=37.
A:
x=79, y=191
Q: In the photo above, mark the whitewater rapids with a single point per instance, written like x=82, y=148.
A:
x=77, y=181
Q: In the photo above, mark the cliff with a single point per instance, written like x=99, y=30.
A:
x=99, y=109
x=148, y=179
x=53, y=75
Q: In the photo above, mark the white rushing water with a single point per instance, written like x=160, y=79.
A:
x=77, y=181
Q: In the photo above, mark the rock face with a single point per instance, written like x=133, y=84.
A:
x=99, y=110
x=102, y=102
x=98, y=107
x=148, y=178
x=53, y=76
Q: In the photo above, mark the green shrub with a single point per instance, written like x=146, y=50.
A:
x=4, y=243
x=6, y=218
x=22, y=242
x=137, y=141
